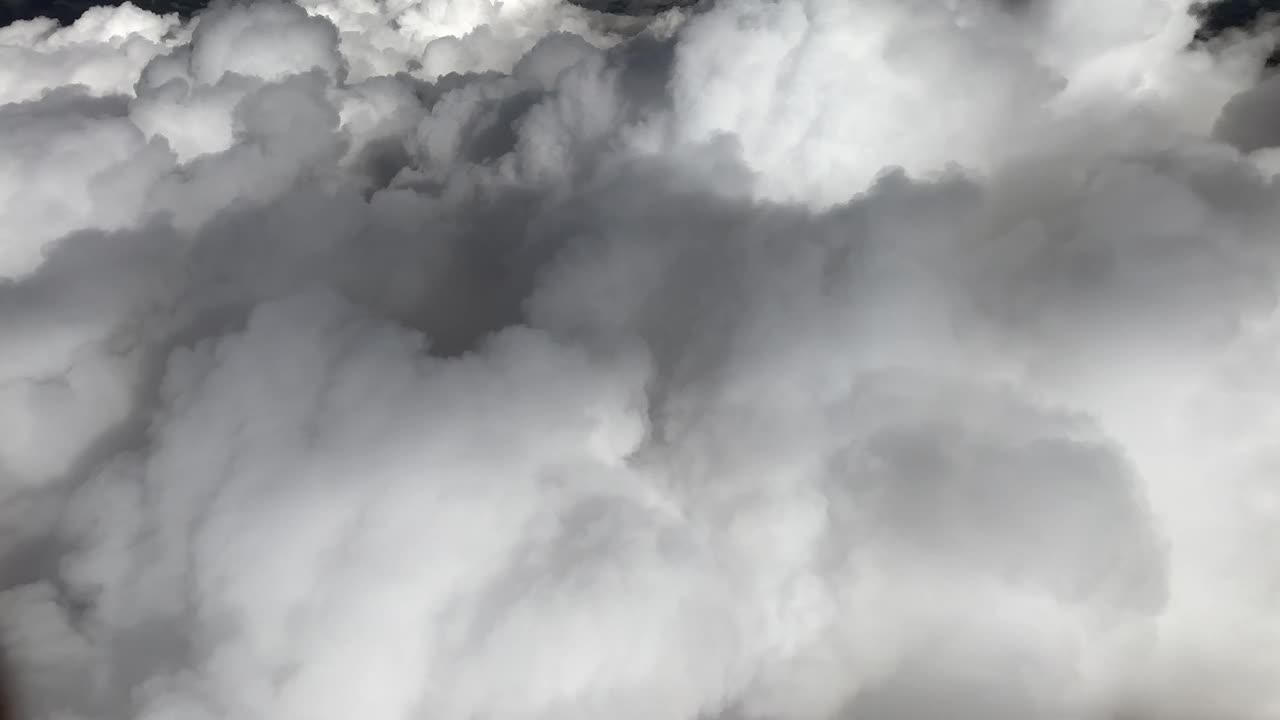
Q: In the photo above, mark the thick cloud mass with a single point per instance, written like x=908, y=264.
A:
x=777, y=359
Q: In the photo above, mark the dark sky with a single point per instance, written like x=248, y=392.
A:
x=66, y=11
x=1223, y=14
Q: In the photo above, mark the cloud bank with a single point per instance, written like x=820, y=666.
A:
x=778, y=359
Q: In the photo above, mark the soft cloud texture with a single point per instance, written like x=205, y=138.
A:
x=760, y=359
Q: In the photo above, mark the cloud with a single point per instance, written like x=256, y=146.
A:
x=783, y=360
x=103, y=51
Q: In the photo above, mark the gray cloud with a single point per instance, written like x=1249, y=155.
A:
x=765, y=360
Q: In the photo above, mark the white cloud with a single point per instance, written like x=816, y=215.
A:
x=104, y=51
x=762, y=360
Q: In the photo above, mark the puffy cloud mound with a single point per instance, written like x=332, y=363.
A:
x=776, y=359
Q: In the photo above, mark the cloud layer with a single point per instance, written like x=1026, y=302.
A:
x=785, y=359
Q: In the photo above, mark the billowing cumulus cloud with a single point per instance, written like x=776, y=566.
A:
x=772, y=359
